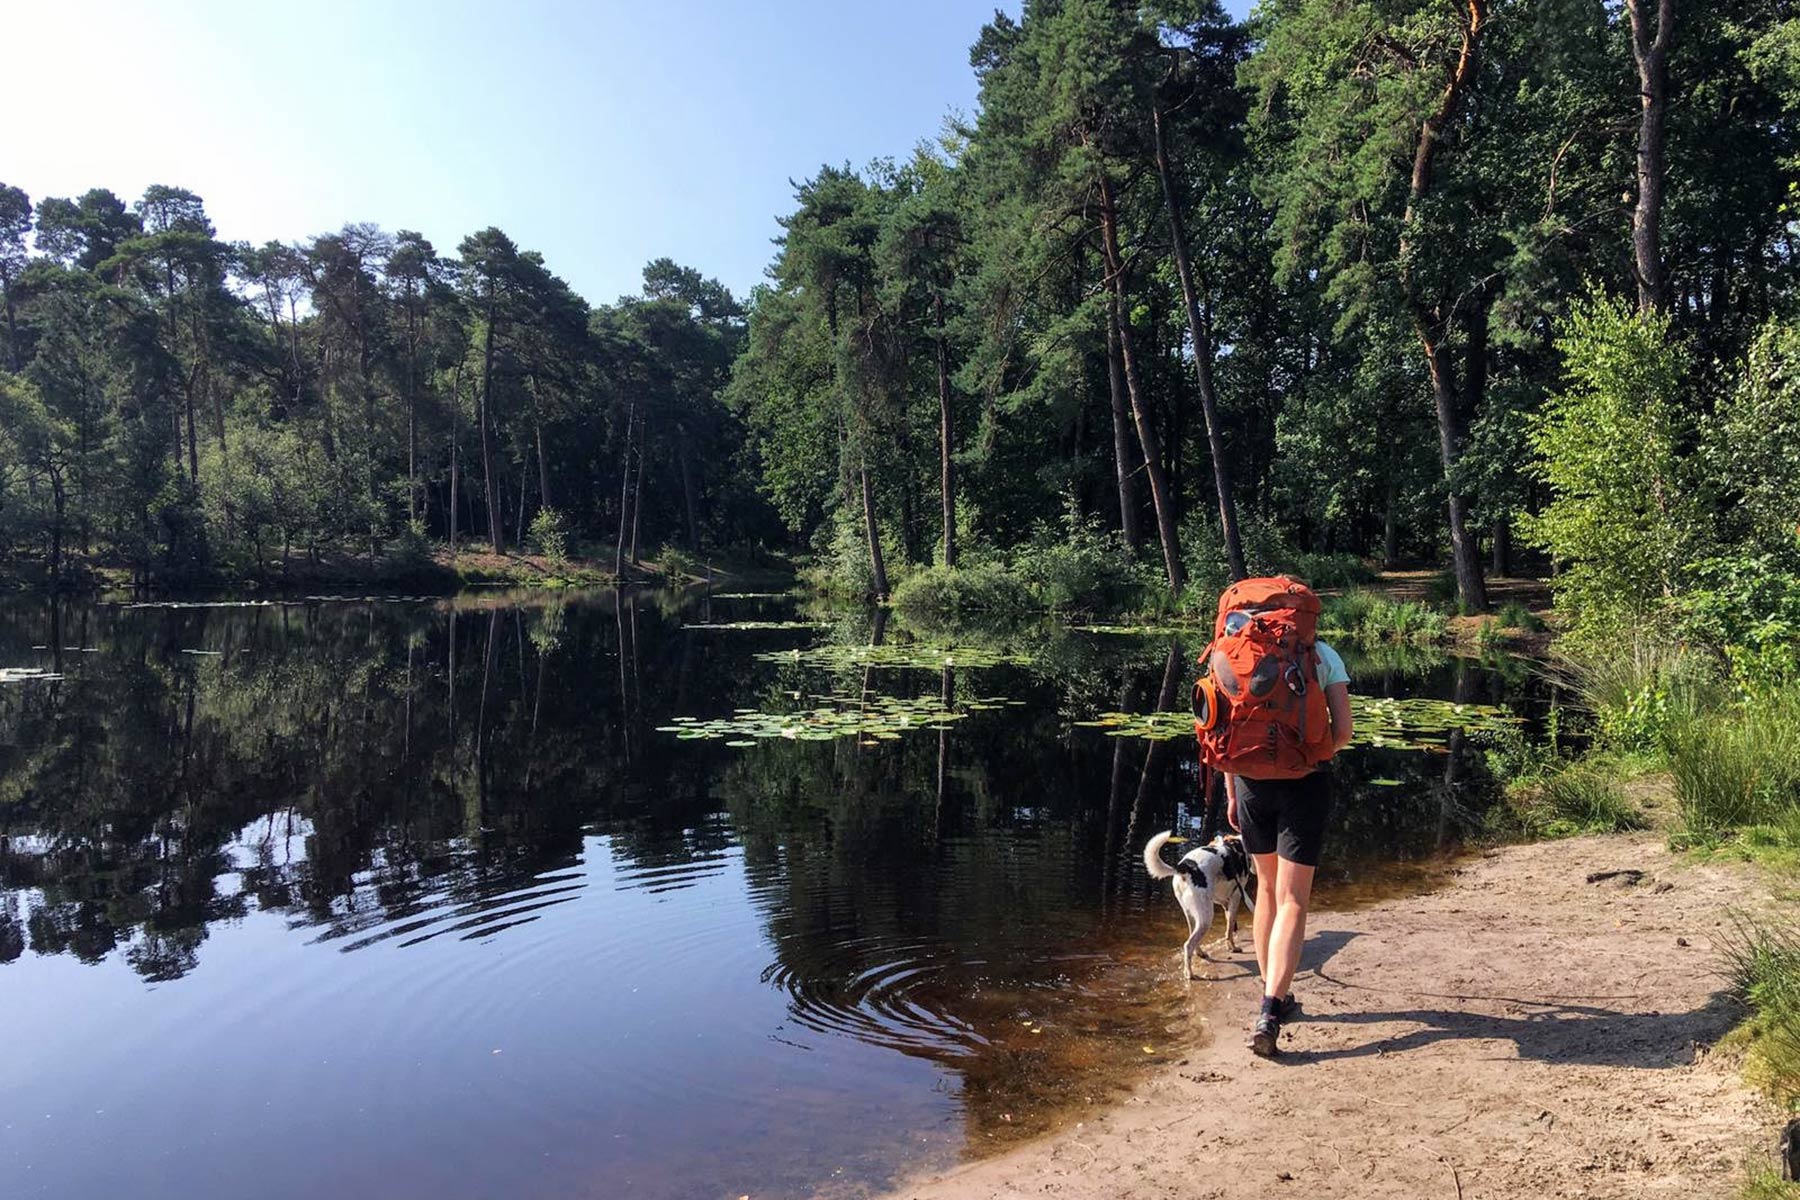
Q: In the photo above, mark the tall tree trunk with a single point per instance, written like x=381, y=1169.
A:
x=455, y=404
x=192, y=447
x=412, y=416
x=1650, y=49
x=877, y=563
x=1203, y=352
x=1140, y=405
x=946, y=467
x=1123, y=471
x=1465, y=555
x=687, y=489
x=484, y=417
x=1432, y=324
x=12, y=327
x=624, y=491
x=637, y=487
x=537, y=429
x=1390, y=525
x=1502, y=547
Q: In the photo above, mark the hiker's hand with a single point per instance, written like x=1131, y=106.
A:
x=1231, y=806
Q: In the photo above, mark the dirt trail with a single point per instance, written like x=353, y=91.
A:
x=1520, y=1032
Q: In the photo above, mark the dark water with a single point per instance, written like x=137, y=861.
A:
x=412, y=898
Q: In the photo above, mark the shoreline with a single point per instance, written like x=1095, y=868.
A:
x=1517, y=1031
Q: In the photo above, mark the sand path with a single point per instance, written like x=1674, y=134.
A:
x=1519, y=1032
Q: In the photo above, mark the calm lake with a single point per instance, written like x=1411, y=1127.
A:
x=608, y=895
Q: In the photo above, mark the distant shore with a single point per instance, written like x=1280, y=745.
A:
x=436, y=571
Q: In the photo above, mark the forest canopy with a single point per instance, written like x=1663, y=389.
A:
x=1183, y=297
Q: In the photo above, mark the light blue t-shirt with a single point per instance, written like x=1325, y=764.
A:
x=1331, y=665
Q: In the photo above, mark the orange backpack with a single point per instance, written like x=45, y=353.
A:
x=1259, y=711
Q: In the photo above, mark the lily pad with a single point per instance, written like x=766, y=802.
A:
x=915, y=656
x=21, y=674
x=1381, y=721
x=872, y=718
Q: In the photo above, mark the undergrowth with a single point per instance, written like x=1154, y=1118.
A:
x=1372, y=617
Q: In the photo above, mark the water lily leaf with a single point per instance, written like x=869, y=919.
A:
x=1381, y=721
x=904, y=656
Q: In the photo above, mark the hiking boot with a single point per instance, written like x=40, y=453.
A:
x=1266, y=1036
x=1290, y=1007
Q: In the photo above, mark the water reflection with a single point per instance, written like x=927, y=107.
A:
x=257, y=809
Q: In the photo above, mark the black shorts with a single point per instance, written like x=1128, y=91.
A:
x=1285, y=816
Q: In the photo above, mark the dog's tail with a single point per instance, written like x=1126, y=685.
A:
x=1153, y=861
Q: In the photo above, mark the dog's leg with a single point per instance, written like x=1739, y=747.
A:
x=1231, y=911
x=1189, y=947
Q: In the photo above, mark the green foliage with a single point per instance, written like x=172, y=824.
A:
x=1515, y=615
x=1582, y=797
x=679, y=564
x=411, y=548
x=1751, y=447
x=1764, y=961
x=1639, y=690
x=1737, y=766
x=1372, y=617
x=1747, y=607
x=984, y=587
x=1076, y=565
x=1625, y=515
x=549, y=532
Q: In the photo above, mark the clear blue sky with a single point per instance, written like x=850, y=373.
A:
x=603, y=134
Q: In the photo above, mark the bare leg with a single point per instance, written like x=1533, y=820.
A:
x=1264, y=925
x=1292, y=895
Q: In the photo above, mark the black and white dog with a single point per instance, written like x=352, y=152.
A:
x=1219, y=872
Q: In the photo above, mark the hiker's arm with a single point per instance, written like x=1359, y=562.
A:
x=1231, y=817
x=1337, y=698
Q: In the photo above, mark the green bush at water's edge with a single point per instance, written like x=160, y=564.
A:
x=1372, y=617
x=948, y=590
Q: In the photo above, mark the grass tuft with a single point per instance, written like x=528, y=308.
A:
x=1738, y=768
x=1583, y=797
x=1763, y=960
x=1374, y=618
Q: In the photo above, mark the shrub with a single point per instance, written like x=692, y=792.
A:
x=1625, y=514
x=1751, y=445
x=549, y=532
x=411, y=547
x=1514, y=615
x=1440, y=590
x=1330, y=570
x=840, y=565
x=1748, y=607
x=1266, y=552
x=1368, y=616
x=1639, y=690
x=1584, y=797
x=1739, y=765
x=677, y=563
x=1078, y=565
x=981, y=588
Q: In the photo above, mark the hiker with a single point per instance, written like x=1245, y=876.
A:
x=1271, y=708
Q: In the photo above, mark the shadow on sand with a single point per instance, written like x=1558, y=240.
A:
x=1551, y=1030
